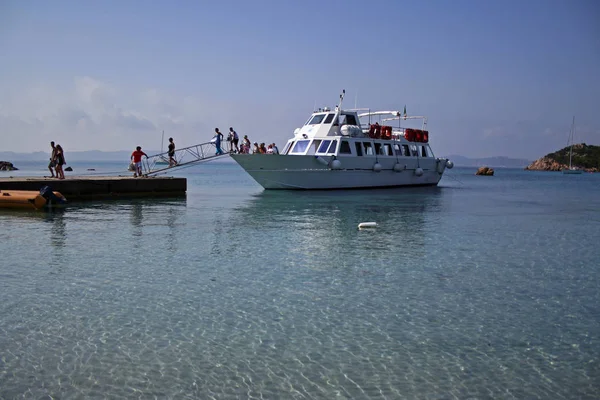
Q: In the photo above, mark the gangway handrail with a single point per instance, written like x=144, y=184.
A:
x=184, y=156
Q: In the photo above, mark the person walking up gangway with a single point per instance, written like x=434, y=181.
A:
x=172, y=160
x=235, y=139
x=218, y=138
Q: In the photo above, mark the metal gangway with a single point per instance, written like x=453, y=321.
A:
x=186, y=156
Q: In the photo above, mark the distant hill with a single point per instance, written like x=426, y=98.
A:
x=584, y=157
x=498, y=162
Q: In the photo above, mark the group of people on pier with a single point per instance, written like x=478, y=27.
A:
x=57, y=160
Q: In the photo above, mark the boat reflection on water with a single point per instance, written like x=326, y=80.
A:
x=307, y=226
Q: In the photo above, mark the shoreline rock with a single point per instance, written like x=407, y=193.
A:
x=7, y=166
x=545, y=164
x=548, y=164
x=485, y=171
x=584, y=157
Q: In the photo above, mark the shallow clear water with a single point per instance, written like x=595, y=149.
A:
x=484, y=287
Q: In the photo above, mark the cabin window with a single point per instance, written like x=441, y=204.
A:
x=429, y=151
x=345, y=147
x=351, y=120
x=413, y=150
x=368, y=148
x=397, y=150
x=387, y=150
x=313, y=147
x=426, y=151
x=358, y=149
x=287, y=147
x=378, y=148
x=341, y=120
x=332, y=147
x=300, y=146
x=324, y=146
x=329, y=118
x=316, y=120
x=405, y=150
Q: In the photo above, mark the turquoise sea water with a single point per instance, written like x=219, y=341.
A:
x=482, y=288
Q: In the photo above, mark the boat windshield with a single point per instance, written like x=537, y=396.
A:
x=316, y=119
x=324, y=146
x=300, y=146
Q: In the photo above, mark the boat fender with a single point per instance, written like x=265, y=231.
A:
x=366, y=225
x=377, y=167
x=419, y=171
x=336, y=164
x=449, y=164
x=399, y=167
x=441, y=165
x=321, y=160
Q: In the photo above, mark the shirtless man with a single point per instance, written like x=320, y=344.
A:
x=52, y=163
x=172, y=161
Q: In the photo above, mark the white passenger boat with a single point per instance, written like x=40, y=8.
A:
x=335, y=150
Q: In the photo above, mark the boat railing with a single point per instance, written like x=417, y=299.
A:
x=184, y=156
x=386, y=116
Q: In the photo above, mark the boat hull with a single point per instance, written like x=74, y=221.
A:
x=282, y=172
x=572, y=171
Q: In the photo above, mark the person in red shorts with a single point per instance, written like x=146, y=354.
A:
x=136, y=156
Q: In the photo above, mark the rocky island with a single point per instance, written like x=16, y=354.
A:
x=7, y=166
x=586, y=158
x=485, y=171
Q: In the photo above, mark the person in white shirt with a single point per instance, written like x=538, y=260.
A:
x=234, y=140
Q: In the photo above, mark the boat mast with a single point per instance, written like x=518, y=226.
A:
x=572, y=134
x=342, y=98
x=162, y=141
x=338, y=108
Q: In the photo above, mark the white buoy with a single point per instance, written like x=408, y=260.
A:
x=419, y=171
x=449, y=164
x=336, y=164
x=364, y=225
x=377, y=167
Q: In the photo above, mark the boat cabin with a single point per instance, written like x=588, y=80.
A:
x=340, y=133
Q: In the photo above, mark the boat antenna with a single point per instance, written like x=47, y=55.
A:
x=342, y=97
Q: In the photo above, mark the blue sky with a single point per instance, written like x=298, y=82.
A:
x=494, y=77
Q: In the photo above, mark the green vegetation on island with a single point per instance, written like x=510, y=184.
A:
x=584, y=157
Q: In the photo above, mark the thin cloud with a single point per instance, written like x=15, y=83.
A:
x=91, y=114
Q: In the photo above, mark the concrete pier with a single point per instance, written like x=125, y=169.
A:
x=76, y=188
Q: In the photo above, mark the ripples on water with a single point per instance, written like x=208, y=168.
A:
x=481, y=288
